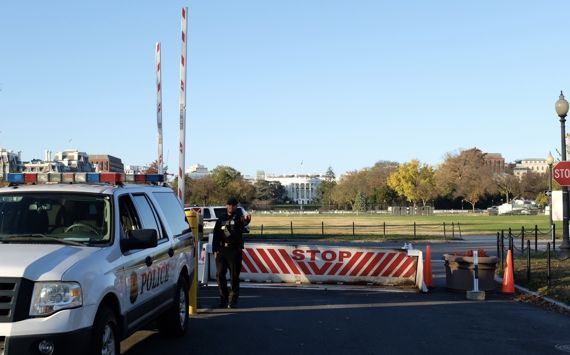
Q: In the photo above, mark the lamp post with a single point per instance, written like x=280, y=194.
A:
x=549, y=161
x=562, y=110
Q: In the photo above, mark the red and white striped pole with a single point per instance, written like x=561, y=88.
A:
x=160, y=160
x=475, y=271
x=182, y=101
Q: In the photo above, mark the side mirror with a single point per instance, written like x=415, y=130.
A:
x=140, y=239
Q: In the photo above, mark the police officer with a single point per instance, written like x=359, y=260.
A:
x=227, y=248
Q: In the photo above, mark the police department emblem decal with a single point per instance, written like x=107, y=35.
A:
x=134, y=287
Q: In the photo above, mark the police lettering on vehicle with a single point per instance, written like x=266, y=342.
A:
x=154, y=277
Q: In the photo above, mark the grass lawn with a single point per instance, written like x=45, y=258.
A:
x=373, y=226
x=559, y=288
x=353, y=226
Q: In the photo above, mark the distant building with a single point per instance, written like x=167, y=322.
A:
x=135, y=169
x=197, y=171
x=250, y=179
x=106, y=163
x=72, y=160
x=41, y=166
x=495, y=161
x=10, y=162
x=535, y=165
x=300, y=188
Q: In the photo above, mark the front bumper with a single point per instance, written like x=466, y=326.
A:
x=75, y=342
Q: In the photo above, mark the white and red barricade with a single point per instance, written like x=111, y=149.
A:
x=329, y=264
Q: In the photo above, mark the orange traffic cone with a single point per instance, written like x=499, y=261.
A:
x=509, y=277
x=427, y=267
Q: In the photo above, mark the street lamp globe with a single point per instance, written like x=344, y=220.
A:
x=549, y=159
x=561, y=106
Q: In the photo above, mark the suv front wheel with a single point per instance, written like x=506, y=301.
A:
x=105, y=338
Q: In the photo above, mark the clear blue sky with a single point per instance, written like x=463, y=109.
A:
x=286, y=86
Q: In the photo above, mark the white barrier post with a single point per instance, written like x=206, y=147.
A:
x=206, y=253
x=475, y=294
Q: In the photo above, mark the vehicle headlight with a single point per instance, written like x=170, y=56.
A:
x=50, y=297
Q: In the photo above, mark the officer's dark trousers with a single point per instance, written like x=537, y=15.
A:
x=228, y=258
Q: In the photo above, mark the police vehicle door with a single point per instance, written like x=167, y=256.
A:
x=148, y=272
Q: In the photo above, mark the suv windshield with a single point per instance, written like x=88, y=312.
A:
x=54, y=217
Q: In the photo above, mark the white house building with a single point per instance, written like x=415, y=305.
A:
x=300, y=188
x=197, y=171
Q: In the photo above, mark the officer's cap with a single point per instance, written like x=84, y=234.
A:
x=232, y=201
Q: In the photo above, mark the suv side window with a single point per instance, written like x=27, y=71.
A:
x=147, y=216
x=173, y=212
x=128, y=214
x=207, y=213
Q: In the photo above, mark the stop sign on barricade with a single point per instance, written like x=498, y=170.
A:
x=561, y=173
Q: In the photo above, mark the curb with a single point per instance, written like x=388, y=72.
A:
x=536, y=294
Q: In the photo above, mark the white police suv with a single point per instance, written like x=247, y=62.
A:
x=87, y=258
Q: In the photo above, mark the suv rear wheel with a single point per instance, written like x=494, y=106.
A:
x=175, y=321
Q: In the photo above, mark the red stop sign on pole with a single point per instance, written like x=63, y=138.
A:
x=561, y=173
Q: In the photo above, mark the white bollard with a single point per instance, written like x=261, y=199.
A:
x=204, y=268
x=475, y=294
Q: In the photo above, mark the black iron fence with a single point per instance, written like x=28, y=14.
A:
x=525, y=247
x=440, y=230
x=515, y=240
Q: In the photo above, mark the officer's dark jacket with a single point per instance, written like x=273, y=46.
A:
x=228, y=231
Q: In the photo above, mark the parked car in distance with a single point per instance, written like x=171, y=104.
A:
x=493, y=211
x=211, y=214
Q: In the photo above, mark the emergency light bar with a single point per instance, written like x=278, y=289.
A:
x=83, y=178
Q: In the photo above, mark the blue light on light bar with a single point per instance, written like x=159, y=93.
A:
x=154, y=178
x=15, y=178
x=92, y=177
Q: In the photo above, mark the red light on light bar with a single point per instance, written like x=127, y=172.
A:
x=112, y=178
x=30, y=178
x=139, y=178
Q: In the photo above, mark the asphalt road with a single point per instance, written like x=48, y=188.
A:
x=359, y=320
x=362, y=321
